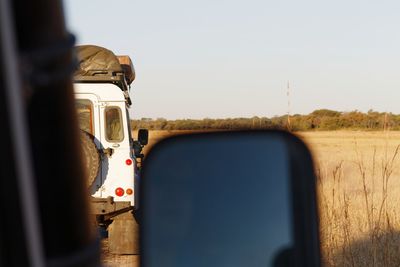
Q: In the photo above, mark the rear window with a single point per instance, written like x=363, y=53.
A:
x=84, y=108
x=114, y=128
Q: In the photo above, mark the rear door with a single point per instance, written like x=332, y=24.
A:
x=117, y=169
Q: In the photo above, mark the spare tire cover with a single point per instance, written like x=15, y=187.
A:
x=91, y=157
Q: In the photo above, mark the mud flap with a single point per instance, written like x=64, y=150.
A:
x=123, y=234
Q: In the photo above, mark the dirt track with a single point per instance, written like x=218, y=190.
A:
x=110, y=260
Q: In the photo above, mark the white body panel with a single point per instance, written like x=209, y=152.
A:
x=115, y=172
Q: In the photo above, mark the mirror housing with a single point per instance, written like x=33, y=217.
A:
x=143, y=136
x=203, y=204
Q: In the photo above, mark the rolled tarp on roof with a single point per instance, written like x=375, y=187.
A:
x=96, y=60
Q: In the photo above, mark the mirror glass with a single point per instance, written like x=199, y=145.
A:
x=143, y=136
x=219, y=200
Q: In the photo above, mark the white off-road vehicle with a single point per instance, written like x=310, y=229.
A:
x=102, y=84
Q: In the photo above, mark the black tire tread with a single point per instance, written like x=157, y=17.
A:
x=91, y=157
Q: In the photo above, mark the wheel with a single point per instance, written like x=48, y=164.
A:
x=91, y=157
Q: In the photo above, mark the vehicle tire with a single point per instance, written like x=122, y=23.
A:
x=91, y=157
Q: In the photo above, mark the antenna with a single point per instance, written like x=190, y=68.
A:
x=288, y=107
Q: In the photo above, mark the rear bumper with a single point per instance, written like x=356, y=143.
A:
x=108, y=207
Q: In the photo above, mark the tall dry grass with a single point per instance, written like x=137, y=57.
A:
x=359, y=193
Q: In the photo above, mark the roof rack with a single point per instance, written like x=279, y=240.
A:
x=117, y=80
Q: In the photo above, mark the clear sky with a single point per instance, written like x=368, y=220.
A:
x=218, y=59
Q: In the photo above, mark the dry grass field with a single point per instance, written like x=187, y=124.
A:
x=359, y=194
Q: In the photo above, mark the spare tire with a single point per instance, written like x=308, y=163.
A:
x=91, y=157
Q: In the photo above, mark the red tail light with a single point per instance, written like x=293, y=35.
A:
x=128, y=162
x=119, y=192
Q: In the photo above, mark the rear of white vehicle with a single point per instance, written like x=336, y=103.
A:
x=102, y=112
x=102, y=83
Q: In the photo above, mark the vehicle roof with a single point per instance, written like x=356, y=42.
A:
x=104, y=91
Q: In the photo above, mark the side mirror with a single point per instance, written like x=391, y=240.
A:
x=143, y=137
x=204, y=204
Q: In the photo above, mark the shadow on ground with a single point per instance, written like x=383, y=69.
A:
x=375, y=250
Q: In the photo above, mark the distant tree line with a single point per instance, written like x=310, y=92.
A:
x=322, y=119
